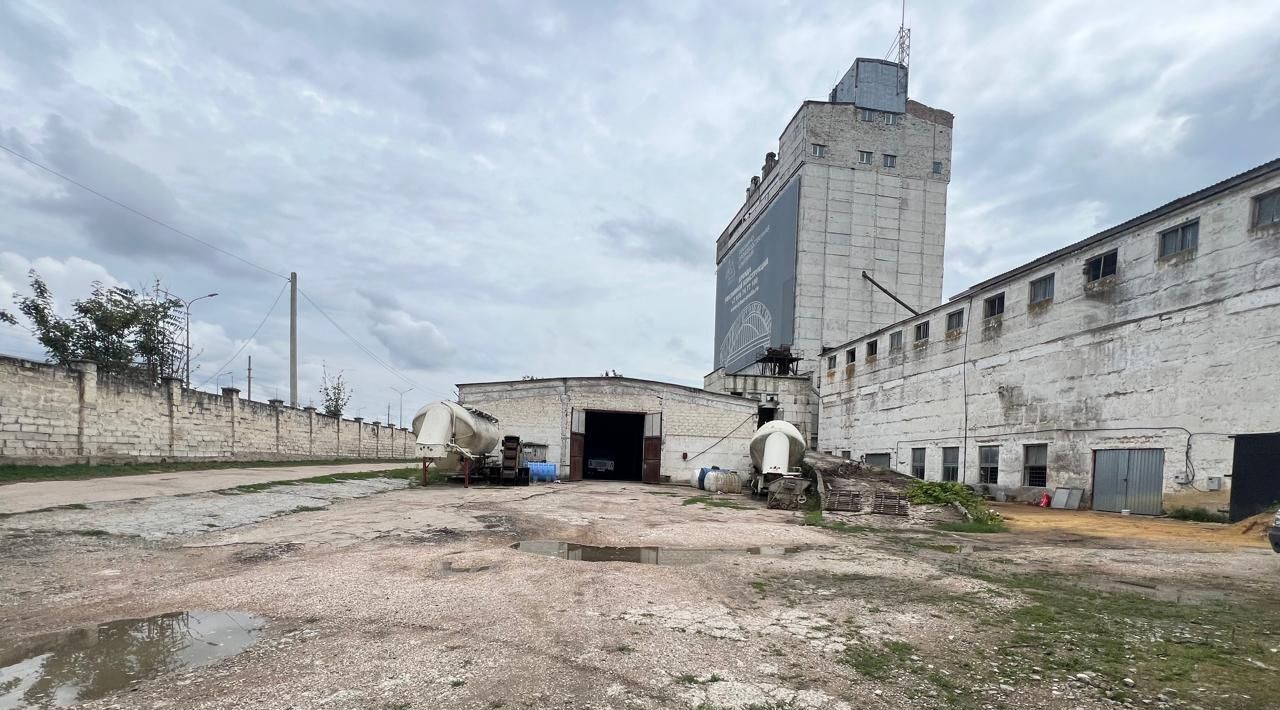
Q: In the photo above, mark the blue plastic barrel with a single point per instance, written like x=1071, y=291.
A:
x=542, y=471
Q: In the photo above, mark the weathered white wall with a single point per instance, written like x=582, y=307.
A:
x=795, y=396
x=1167, y=346
x=889, y=222
x=712, y=429
x=56, y=415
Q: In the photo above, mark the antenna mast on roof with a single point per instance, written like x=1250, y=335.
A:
x=904, y=39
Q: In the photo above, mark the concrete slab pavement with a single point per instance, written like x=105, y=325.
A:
x=23, y=497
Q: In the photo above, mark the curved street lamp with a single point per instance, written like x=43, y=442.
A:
x=187, y=376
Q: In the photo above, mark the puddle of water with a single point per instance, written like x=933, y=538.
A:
x=640, y=555
x=63, y=669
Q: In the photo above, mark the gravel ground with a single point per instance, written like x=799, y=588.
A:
x=413, y=598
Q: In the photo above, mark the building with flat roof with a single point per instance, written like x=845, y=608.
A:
x=1130, y=365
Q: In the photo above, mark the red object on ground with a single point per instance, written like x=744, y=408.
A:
x=1045, y=500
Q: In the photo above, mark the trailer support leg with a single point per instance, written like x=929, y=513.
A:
x=466, y=473
x=424, y=470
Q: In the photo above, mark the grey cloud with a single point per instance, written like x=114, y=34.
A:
x=32, y=45
x=412, y=342
x=655, y=238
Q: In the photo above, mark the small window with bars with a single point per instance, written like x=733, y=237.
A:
x=831, y=362
x=1180, y=239
x=867, y=114
x=993, y=306
x=951, y=463
x=850, y=355
x=818, y=150
x=1035, y=465
x=864, y=157
x=890, y=161
x=1100, y=267
x=917, y=463
x=955, y=321
x=872, y=347
x=989, y=465
x=895, y=341
x=891, y=119
x=1041, y=290
x=922, y=331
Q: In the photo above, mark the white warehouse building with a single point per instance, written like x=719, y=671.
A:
x=1138, y=365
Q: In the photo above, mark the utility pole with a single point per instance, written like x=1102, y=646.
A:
x=249, y=380
x=402, y=393
x=388, y=414
x=293, y=339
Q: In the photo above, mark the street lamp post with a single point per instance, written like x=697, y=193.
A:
x=187, y=376
x=402, y=393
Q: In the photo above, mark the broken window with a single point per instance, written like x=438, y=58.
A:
x=849, y=355
x=989, y=465
x=917, y=463
x=895, y=341
x=831, y=362
x=890, y=161
x=1035, y=465
x=955, y=321
x=864, y=157
x=937, y=167
x=867, y=114
x=922, y=331
x=951, y=463
x=872, y=346
x=1180, y=239
x=1266, y=210
x=993, y=306
x=1042, y=290
x=818, y=150
x=1100, y=267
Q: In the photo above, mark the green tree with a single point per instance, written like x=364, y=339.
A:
x=335, y=393
x=122, y=330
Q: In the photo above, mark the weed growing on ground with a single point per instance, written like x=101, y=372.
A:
x=457, y=683
x=973, y=526
x=690, y=679
x=307, y=508
x=1198, y=515
x=715, y=502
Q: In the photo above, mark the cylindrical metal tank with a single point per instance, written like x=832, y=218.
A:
x=777, y=447
x=447, y=432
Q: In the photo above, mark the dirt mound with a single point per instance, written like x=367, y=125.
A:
x=839, y=472
x=1256, y=525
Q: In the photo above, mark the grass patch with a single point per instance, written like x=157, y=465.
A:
x=975, y=526
x=13, y=473
x=759, y=586
x=815, y=519
x=411, y=473
x=307, y=508
x=715, y=502
x=457, y=683
x=623, y=648
x=92, y=532
x=1198, y=515
x=877, y=662
x=1186, y=647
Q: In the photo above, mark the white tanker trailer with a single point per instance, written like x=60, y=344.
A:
x=776, y=451
x=450, y=436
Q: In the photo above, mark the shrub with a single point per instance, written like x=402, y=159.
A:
x=1199, y=515
x=981, y=517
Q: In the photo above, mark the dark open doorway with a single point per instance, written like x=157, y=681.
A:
x=614, y=446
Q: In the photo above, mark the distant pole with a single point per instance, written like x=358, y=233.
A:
x=388, y=414
x=293, y=339
x=402, y=393
x=249, y=380
x=186, y=378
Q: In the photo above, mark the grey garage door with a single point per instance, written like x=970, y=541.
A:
x=1130, y=479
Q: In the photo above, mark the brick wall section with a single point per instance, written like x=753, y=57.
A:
x=712, y=429
x=53, y=415
x=1188, y=342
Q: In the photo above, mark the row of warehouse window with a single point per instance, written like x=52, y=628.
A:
x=1035, y=464
x=866, y=157
x=1183, y=239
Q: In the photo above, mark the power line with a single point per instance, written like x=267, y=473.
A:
x=358, y=344
x=139, y=213
x=248, y=340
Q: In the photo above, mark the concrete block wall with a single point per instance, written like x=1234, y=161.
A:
x=1174, y=353
x=53, y=415
x=698, y=428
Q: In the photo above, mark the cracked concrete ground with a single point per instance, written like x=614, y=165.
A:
x=387, y=597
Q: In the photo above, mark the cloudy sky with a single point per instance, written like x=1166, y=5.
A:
x=485, y=190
